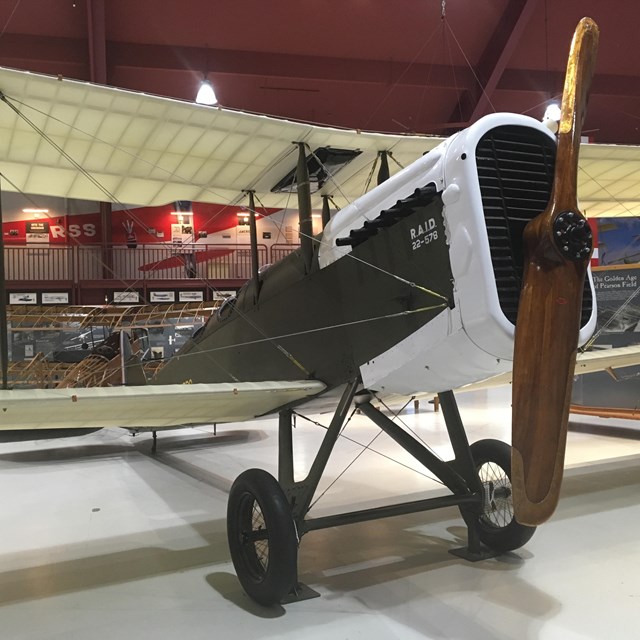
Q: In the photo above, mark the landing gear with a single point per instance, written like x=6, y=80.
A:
x=266, y=518
x=262, y=537
x=497, y=527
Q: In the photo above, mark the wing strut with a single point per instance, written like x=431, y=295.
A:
x=383, y=173
x=326, y=211
x=254, y=244
x=304, y=207
x=558, y=247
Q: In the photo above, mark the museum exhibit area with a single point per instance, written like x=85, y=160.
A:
x=391, y=301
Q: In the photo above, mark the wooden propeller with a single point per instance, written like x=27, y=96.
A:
x=558, y=248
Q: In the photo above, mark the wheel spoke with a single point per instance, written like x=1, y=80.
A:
x=497, y=526
x=259, y=540
x=498, y=507
x=262, y=537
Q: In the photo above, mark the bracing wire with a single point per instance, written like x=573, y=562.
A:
x=6, y=24
x=473, y=71
x=413, y=285
x=390, y=155
x=407, y=427
x=340, y=325
x=370, y=176
x=112, y=197
x=364, y=448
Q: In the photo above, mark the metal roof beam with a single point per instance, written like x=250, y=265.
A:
x=96, y=31
x=496, y=56
x=34, y=53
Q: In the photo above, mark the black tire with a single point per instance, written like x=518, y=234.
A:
x=497, y=527
x=262, y=537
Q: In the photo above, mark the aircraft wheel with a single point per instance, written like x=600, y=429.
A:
x=497, y=527
x=262, y=537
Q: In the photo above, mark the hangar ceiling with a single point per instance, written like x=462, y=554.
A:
x=426, y=66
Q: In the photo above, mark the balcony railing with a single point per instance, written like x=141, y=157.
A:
x=81, y=263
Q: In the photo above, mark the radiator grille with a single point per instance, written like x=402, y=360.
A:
x=515, y=171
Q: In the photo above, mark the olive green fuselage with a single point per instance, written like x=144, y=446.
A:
x=326, y=323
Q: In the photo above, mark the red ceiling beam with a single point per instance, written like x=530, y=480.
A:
x=33, y=52
x=542, y=81
x=277, y=65
x=498, y=52
x=96, y=32
x=68, y=57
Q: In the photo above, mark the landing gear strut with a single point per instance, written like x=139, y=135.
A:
x=266, y=518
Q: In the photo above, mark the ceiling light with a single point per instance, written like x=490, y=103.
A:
x=206, y=94
x=551, y=116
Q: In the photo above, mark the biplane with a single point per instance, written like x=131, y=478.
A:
x=69, y=339
x=468, y=266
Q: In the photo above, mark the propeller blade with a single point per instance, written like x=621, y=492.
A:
x=558, y=248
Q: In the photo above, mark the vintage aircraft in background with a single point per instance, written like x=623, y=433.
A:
x=422, y=284
x=62, y=338
x=101, y=346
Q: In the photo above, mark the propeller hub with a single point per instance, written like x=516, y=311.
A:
x=572, y=235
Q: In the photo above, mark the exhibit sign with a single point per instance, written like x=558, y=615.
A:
x=191, y=296
x=23, y=298
x=162, y=296
x=618, y=299
x=126, y=297
x=37, y=232
x=55, y=298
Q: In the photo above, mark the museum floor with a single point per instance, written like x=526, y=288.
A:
x=100, y=539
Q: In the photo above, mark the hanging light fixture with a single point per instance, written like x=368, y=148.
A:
x=551, y=116
x=206, y=94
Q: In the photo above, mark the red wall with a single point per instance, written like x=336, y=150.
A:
x=85, y=228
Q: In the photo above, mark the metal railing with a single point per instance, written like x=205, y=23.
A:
x=39, y=263
x=279, y=251
x=146, y=262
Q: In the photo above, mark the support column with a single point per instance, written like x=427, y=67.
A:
x=106, y=241
x=4, y=329
x=97, y=41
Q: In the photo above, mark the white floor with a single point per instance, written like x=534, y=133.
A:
x=100, y=539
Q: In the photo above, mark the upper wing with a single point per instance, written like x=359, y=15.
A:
x=147, y=150
x=149, y=406
x=607, y=180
